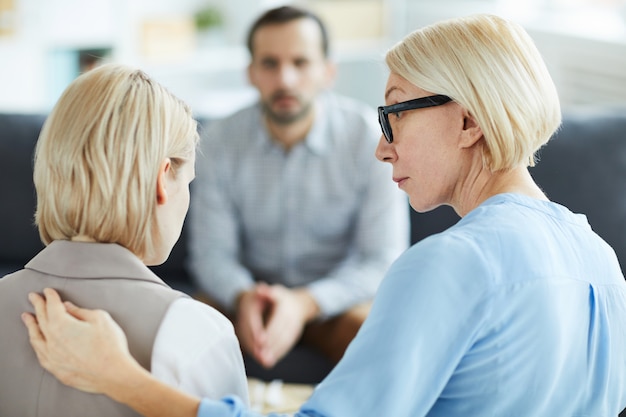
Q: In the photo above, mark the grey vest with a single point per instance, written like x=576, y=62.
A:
x=91, y=275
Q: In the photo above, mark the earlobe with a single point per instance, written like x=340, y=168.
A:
x=161, y=191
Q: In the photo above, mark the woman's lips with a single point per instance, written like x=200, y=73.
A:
x=400, y=181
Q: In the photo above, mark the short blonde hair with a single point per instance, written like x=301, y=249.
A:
x=491, y=67
x=98, y=156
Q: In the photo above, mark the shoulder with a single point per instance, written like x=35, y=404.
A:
x=494, y=244
x=451, y=260
x=453, y=250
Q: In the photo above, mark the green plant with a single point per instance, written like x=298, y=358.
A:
x=208, y=17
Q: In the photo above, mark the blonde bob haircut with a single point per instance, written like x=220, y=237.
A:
x=98, y=157
x=491, y=67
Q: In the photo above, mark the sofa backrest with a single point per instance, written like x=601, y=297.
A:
x=583, y=167
x=19, y=238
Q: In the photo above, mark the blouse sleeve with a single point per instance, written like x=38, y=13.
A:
x=196, y=350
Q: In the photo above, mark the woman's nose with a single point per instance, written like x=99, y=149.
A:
x=384, y=150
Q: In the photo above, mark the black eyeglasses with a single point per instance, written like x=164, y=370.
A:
x=418, y=103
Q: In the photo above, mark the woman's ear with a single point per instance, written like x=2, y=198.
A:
x=164, y=171
x=471, y=132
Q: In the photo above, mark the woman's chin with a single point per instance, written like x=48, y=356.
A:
x=422, y=206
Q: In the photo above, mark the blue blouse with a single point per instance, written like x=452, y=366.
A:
x=518, y=309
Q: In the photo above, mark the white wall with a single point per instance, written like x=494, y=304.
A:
x=582, y=42
x=33, y=67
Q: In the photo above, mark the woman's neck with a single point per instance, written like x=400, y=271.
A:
x=488, y=184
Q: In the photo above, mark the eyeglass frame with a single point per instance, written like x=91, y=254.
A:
x=414, y=104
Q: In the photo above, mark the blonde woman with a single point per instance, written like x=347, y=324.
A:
x=517, y=310
x=112, y=170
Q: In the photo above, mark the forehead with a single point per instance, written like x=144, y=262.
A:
x=296, y=37
x=399, y=89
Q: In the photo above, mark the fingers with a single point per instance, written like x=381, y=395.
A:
x=264, y=293
x=35, y=336
x=266, y=353
x=54, y=305
x=250, y=325
x=39, y=304
x=51, y=304
x=34, y=333
x=38, y=326
x=256, y=324
x=52, y=295
x=283, y=327
x=81, y=314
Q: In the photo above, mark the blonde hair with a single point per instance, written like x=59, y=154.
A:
x=98, y=156
x=491, y=67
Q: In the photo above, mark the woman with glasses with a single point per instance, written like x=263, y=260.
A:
x=518, y=309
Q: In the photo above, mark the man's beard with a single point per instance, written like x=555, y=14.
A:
x=285, y=118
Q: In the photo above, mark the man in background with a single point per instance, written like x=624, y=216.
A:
x=293, y=221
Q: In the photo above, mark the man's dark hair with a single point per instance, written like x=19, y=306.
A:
x=286, y=14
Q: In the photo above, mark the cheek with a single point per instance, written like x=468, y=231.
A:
x=432, y=148
x=423, y=159
x=414, y=154
x=180, y=196
x=187, y=198
x=182, y=200
x=264, y=82
x=315, y=77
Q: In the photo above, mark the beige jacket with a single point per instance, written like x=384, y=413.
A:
x=92, y=275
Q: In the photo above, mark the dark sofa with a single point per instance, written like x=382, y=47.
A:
x=583, y=167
